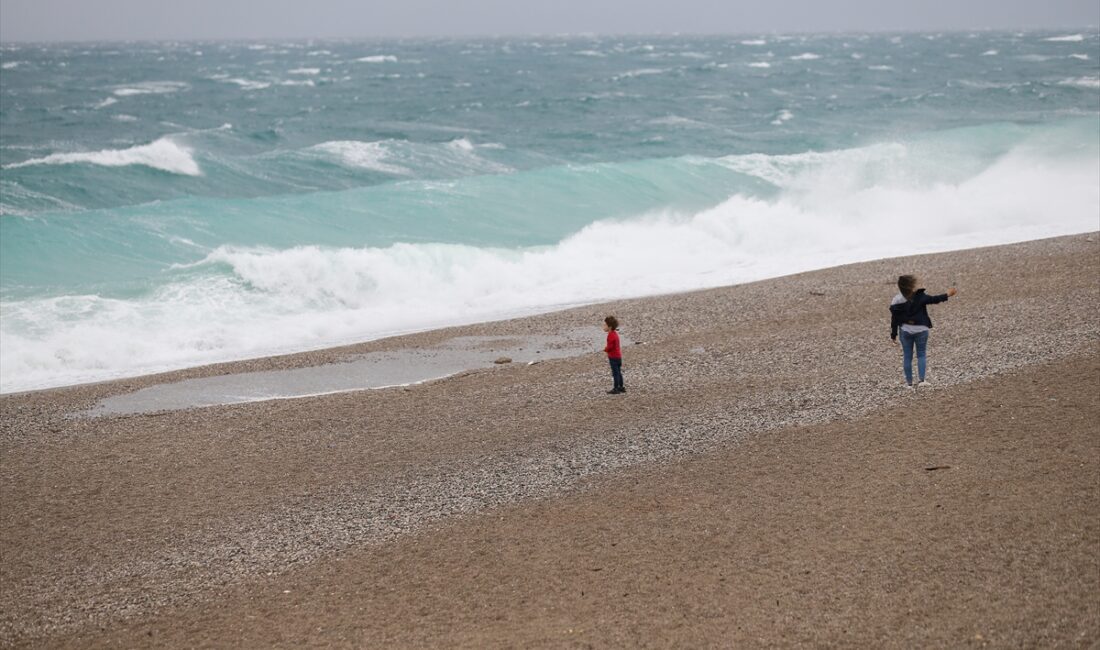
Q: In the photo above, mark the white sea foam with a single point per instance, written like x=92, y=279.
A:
x=123, y=117
x=806, y=56
x=755, y=41
x=163, y=154
x=990, y=85
x=833, y=208
x=760, y=64
x=640, y=72
x=1069, y=38
x=880, y=68
x=378, y=58
x=365, y=155
x=1083, y=57
x=783, y=116
x=248, y=84
x=1081, y=82
x=306, y=71
x=677, y=120
x=403, y=158
x=11, y=65
x=990, y=53
x=461, y=144
x=150, y=88
x=105, y=103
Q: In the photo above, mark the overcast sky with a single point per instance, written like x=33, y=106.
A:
x=51, y=20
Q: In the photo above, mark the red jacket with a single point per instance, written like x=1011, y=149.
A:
x=612, y=349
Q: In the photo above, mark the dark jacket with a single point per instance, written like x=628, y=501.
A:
x=913, y=311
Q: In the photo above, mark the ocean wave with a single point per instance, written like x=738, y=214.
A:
x=640, y=72
x=110, y=101
x=1069, y=38
x=163, y=154
x=150, y=88
x=247, y=84
x=305, y=71
x=1081, y=82
x=413, y=159
x=782, y=117
x=378, y=58
x=677, y=120
x=27, y=201
x=806, y=56
x=365, y=155
x=759, y=64
x=11, y=65
x=834, y=207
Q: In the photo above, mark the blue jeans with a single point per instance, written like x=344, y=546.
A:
x=617, y=372
x=908, y=340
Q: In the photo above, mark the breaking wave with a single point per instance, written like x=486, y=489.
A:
x=163, y=154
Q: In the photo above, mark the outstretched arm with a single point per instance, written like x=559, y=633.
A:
x=942, y=297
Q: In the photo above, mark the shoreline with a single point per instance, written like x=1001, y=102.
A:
x=268, y=360
x=185, y=522
x=413, y=339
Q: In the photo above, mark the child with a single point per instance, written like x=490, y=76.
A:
x=909, y=314
x=614, y=354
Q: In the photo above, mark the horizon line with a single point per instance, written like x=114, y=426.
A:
x=1093, y=28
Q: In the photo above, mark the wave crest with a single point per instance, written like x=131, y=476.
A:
x=163, y=154
x=404, y=158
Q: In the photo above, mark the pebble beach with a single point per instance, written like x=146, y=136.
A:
x=766, y=481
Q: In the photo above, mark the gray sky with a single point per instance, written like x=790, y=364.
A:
x=36, y=20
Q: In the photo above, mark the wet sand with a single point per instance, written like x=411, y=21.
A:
x=766, y=481
x=384, y=369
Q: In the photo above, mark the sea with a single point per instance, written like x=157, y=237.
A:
x=172, y=204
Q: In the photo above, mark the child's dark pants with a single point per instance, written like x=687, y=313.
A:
x=617, y=371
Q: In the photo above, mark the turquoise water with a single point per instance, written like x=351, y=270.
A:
x=171, y=204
